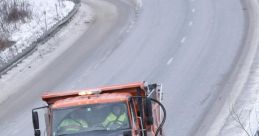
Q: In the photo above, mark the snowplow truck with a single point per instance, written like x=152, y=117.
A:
x=133, y=109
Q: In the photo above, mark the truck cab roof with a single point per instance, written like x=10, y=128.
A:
x=91, y=99
x=106, y=93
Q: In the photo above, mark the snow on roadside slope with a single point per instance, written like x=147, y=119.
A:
x=46, y=53
x=246, y=109
x=138, y=3
x=45, y=14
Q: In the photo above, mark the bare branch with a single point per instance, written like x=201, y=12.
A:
x=237, y=117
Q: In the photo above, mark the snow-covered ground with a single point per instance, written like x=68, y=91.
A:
x=45, y=14
x=239, y=111
x=244, y=118
x=244, y=114
x=46, y=53
x=138, y=4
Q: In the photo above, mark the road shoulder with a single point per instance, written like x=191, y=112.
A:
x=216, y=118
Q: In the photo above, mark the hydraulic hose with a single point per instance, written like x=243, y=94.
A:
x=159, y=129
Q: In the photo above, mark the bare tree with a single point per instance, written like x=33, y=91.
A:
x=244, y=118
x=237, y=117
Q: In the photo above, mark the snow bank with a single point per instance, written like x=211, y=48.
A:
x=244, y=116
x=45, y=14
x=246, y=110
x=46, y=53
x=50, y=11
x=139, y=3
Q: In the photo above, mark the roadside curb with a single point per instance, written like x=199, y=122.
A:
x=240, y=74
x=45, y=37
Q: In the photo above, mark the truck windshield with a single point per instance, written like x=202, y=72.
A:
x=109, y=118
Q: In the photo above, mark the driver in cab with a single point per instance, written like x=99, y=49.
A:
x=117, y=118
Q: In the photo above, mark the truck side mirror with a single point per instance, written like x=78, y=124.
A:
x=35, y=121
x=149, y=111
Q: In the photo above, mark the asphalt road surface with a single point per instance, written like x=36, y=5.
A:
x=188, y=45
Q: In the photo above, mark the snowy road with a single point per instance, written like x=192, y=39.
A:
x=188, y=45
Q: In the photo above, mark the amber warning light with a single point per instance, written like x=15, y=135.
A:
x=90, y=92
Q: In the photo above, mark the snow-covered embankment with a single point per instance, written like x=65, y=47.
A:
x=46, y=17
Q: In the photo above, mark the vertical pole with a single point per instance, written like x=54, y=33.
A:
x=140, y=103
x=46, y=25
x=57, y=11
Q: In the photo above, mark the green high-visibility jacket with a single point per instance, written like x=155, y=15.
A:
x=70, y=125
x=112, y=118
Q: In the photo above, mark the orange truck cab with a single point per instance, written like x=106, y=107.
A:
x=133, y=109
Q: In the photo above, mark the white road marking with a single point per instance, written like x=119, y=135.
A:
x=193, y=10
x=170, y=61
x=183, y=40
x=190, y=23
